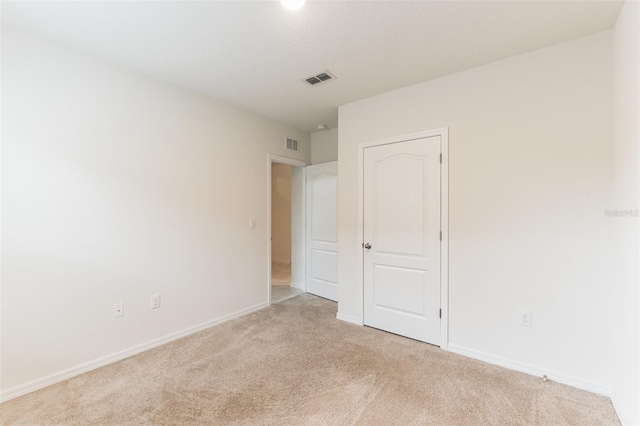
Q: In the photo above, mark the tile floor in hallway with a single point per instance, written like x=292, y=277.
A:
x=281, y=283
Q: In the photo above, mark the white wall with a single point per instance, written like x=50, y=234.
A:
x=117, y=186
x=324, y=146
x=626, y=73
x=530, y=176
x=281, y=213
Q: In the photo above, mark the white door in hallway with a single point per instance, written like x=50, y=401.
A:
x=322, y=230
x=402, y=238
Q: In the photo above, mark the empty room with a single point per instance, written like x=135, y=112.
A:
x=320, y=212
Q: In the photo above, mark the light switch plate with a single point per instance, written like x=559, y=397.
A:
x=155, y=301
x=118, y=310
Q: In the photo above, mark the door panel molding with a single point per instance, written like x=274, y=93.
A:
x=444, y=222
x=322, y=230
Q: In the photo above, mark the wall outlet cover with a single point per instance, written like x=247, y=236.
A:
x=524, y=317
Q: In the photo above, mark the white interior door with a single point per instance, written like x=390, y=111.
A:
x=402, y=238
x=322, y=230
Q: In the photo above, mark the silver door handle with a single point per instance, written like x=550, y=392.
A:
x=367, y=246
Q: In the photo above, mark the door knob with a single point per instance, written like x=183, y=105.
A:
x=367, y=246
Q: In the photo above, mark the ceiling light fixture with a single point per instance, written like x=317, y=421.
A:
x=322, y=127
x=293, y=4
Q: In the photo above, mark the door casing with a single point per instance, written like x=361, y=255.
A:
x=271, y=158
x=444, y=221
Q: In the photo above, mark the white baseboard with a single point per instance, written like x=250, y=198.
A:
x=68, y=373
x=299, y=286
x=617, y=405
x=531, y=369
x=348, y=318
x=284, y=261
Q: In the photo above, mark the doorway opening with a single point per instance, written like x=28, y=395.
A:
x=286, y=245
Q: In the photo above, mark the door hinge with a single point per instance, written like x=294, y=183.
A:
x=440, y=158
x=440, y=235
x=440, y=313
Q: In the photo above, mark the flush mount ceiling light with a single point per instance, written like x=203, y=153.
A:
x=322, y=127
x=293, y=4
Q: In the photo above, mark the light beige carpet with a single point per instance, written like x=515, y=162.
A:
x=295, y=364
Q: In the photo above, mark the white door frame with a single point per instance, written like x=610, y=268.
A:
x=444, y=220
x=271, y=158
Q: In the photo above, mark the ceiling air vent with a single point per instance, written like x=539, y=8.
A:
x=320, y=78
x=291, y=144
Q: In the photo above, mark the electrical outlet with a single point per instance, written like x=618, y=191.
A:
x=118, y=310
x=252, y=224
x=155, y=301
x=524, y=318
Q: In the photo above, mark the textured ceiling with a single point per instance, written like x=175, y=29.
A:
x=255, y=54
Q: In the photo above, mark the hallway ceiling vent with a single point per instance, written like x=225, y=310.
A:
x=314, y=80
x=291, y=144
